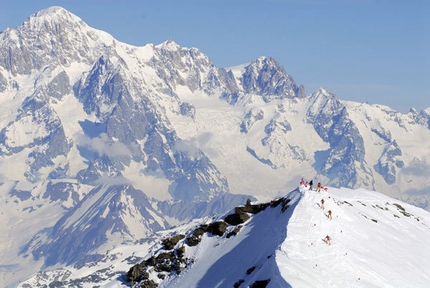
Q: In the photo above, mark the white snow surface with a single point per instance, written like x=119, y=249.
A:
x=376, y=241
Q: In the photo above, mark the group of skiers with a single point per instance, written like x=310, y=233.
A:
x=311, y=183
x=329, y=213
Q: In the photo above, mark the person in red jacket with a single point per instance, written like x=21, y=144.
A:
x=327, y=240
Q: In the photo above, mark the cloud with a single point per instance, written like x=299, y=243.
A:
x=418, y=192
x=417, y=168
x=188, y=147
x=193, y=146
x=107, y=180
x=102, y=145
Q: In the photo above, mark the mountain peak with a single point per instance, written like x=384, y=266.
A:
x=56, y=13
x=265, y=60
x=170, y=45
x=322, y=90
x=266, y=77
x=50, y=10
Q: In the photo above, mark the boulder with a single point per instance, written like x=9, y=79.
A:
x=237, y=218
x=170, y=243
x=218, y=228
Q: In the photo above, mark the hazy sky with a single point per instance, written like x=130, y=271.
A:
x=361, y=50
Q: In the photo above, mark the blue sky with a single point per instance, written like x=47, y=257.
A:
x=374, y=51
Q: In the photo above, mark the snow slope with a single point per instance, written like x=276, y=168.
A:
x=377, y=241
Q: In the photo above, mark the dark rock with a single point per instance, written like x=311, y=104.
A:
x=238, y=283
x=236, y=218
x=285, y=204
x=240, y=215
x=151, y=261
x=148, y=284
x=180, y=252
x=201, y=230
x=254, y=209
x=260, y=284
x=164, y=262
x=195, y=238
x=137, y=273
x=170, y=243
x=235, y=231
x=250, y=270
x=218, y=228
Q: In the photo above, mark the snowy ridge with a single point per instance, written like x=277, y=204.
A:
x=108, y=137
x=376, y=241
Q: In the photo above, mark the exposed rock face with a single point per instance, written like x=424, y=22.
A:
x=237, y=218
x=251, y=117
x=172, y=262
x=171, y=242
x=218, y=228
x=389, y=162
x=344, y=162
x=260, y=283
x=301, y=93
x=163, y=264
x=266, y=77
x=188, y=109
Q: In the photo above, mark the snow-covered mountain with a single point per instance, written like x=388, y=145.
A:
x=376, y=241
x=102, y=142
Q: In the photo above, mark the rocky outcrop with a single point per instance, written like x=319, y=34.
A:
x=268, y=78
x=301, y=93
x=169, y=243
x=250, y=118
x=389, y=162
x=171, y=261
x=162, y=264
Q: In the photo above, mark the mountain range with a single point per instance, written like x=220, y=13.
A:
x=103, y=143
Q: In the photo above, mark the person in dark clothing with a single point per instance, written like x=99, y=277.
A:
x=310, y=184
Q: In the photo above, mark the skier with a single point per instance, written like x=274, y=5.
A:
x=319, y=187
x=329, y=215
x=310, y=185
x=327, y=240
x=322, y=204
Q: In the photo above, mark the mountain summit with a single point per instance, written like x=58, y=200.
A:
x=103, y=143
x=376, y=241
